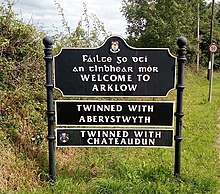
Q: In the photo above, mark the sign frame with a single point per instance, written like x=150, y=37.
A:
x=181, y=59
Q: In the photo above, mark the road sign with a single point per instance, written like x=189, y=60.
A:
x=84, y=137
x=213, y=48
x=115, y=69
x=110, y=113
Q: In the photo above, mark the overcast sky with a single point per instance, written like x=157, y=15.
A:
x=44, y=12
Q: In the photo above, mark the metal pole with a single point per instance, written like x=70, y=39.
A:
x=211, y=77
x=181, y=59
x=48, y=42
x=211, y=35
x=212, y=21
x=198, y=39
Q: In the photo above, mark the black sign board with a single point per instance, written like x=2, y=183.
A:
x=113, y=138
x=115, y=69
x=110, y=113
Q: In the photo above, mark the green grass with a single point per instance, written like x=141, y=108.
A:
x=150, y=170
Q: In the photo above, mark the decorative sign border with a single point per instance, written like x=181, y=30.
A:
x=94, y=137
x=114, y=113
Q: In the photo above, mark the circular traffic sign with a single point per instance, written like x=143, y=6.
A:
x=213, y=48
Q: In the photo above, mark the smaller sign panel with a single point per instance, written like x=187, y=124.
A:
x=84, y=137
x=110, y=113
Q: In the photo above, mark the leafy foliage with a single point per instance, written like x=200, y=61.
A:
x=22, y=104
x=90, y=31
x=155, y=23
x=151, y=23
x=22, y=91
x=20, y=48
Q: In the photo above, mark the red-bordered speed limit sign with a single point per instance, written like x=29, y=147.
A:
x=213, y=48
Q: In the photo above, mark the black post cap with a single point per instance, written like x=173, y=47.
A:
x=47, y=41
x=181, y=41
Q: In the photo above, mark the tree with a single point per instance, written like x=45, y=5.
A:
x=158, y=23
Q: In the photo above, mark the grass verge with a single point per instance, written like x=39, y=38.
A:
x=148, y=170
